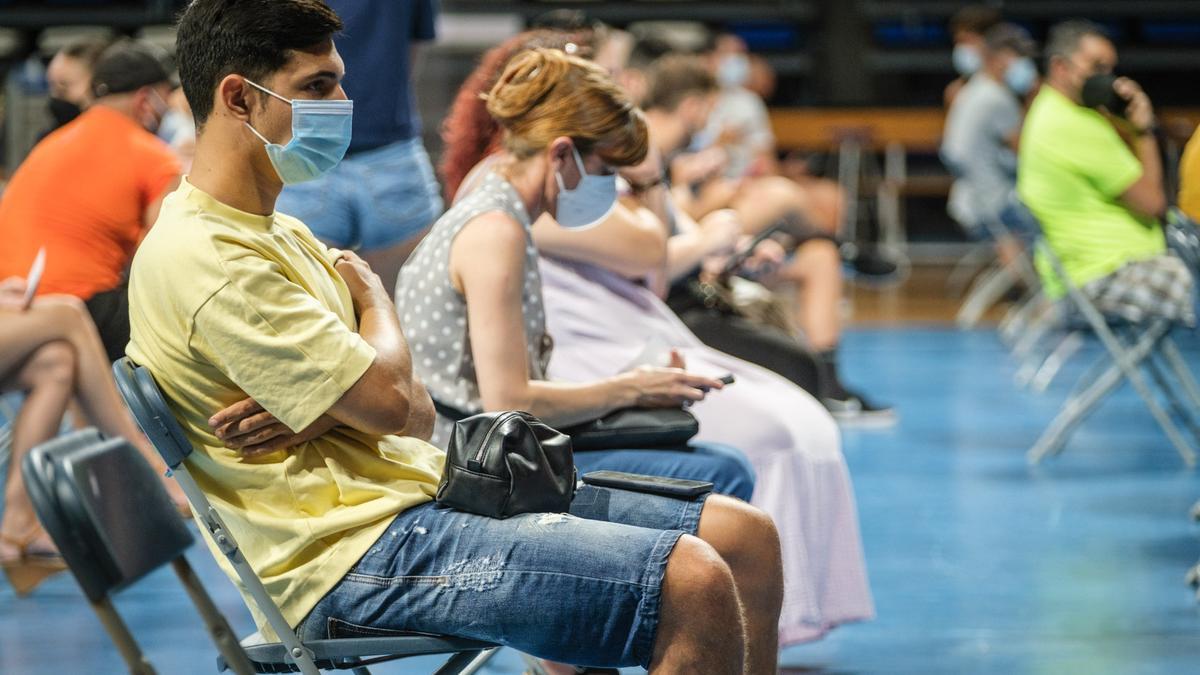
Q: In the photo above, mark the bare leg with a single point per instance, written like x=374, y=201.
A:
x=817, y=270
x=387, y=262
x=48, y=377
x=65, y=318
x=762, y=202
x=700, y=627
x=746, y=540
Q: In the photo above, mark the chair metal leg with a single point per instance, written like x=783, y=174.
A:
x=985, y=291
x=1073, y=412
x=466, y=663
x=968, y=267
x=115, y=626
x=1036, y=331
x=218, y=627
x=1068, y=347
x=1128, y=363
x=1183, y=373
x=1173, y=400
x=1020, y=317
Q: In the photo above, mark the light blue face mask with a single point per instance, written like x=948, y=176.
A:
x=590, y=202
x=733, y=70
x=320, y=136
x=967, y=60
x=1020, y=75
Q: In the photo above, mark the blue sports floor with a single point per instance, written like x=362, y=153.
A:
x=979, y=563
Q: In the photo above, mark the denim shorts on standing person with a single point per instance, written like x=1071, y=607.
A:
x=372, y=200
x=583, y=587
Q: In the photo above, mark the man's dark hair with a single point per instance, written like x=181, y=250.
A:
x=1065, y=37
x=253, y=38
x=974, y=19
x=1010, y=37
x=673, y=78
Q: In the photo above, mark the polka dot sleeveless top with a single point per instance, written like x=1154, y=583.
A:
x=433, y=313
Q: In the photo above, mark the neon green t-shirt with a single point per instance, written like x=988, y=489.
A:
x=225, y=305
x=1072, y=169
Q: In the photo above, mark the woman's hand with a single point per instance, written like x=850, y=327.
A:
x=721, y=231
x=247, y=427
x=765, y=259
x=670, y=387
x=690, y=168
x=12, y=293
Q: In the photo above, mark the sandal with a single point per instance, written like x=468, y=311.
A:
x=29, y=567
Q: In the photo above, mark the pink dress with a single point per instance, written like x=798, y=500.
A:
x=602, y=324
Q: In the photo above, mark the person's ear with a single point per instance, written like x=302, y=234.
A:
x=233, y=94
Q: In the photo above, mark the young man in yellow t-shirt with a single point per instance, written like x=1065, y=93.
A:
x=287, y=366
x=1095, y=182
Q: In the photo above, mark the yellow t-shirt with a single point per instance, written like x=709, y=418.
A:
x=1189, y=178
x=225, y=305
x=1072, y=169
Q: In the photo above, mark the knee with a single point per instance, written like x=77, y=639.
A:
x=750, y=542
x=699, y=585
x=67, y=310
x=52, y=363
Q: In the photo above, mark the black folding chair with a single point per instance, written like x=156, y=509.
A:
x=113, y=522
x=149, y=408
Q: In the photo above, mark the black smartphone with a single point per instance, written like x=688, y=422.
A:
x=737, y=259
x=655, y=485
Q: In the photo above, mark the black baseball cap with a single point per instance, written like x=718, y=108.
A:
x=128, y=66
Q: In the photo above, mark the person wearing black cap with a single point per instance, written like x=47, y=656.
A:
x=88, y=192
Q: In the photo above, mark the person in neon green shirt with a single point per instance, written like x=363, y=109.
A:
x=1095, y=182
x=287, y=367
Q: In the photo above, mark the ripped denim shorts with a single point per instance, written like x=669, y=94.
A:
x=583, y=587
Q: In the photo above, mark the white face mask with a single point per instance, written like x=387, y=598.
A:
x=590, y=202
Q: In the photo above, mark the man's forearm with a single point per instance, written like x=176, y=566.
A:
x=1150, y=158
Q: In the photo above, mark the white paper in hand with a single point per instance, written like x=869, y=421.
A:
x=35, y=277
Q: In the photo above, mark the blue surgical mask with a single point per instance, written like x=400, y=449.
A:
x=733, y=70
x=1020, y=75
x=320, y=135
x=967, y=60
x=590, y=202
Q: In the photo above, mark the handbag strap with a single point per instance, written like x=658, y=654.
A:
x=449, y=412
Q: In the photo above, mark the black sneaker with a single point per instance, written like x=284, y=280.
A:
x=854, y=410
x=869, y=262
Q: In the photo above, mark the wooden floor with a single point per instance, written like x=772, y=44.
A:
x=923, y=297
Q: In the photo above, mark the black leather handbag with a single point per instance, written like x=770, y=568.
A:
x=507, y=463
x=636, y=429
x=624, y=429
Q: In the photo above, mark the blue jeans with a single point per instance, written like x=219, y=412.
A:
x=583, y=587
x=726, y=468
x=372, y=200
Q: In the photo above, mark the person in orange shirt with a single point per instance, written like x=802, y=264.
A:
x=90, y=190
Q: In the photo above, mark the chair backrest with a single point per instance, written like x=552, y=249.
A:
x=105, y=508
x=150, y=410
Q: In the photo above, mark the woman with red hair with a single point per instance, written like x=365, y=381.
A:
x=602, y=320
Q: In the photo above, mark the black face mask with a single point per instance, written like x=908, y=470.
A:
x=1098, y=91
x=63, y=111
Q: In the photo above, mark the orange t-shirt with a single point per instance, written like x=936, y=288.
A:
x=82, y=193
